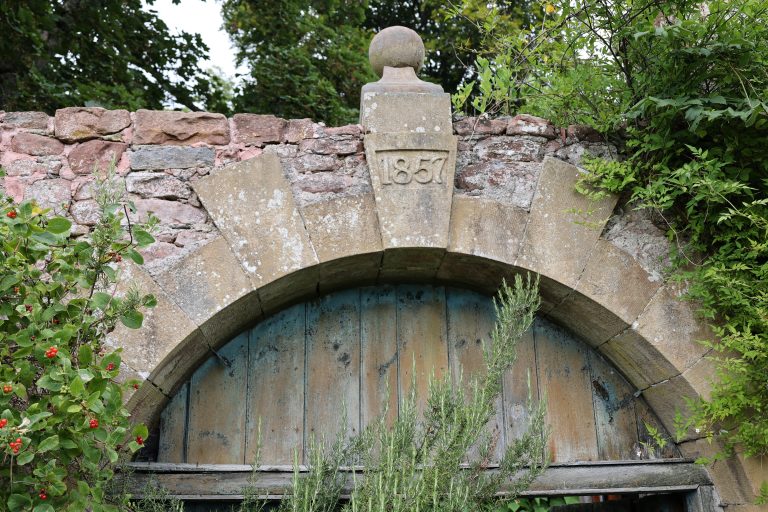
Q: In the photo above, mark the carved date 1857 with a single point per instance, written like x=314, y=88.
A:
x=403, y=167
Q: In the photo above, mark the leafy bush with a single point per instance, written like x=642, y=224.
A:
x=63, y=423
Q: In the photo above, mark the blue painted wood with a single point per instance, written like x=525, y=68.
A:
x=350, y=353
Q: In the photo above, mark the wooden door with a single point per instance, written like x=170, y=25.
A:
x=331, y=365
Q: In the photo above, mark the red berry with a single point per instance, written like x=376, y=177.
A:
x=11, y=214
x=33, y=337
x=118, y=258
x=94, y=423
x=51, y=352
x=110, y=367
x=18, y=440
x=3, y=422
x=16, y=289
x=135, y=386
x=56, y=321
x=139, y=440
x=7, y=388
x=28, y=307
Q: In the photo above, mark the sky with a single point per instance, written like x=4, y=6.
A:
x=204, y=18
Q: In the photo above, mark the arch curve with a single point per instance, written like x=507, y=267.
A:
x=274, y=252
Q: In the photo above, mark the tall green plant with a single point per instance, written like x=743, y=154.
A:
x=436, y=462
x=62, y=420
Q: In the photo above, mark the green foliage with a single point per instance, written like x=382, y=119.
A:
x=436, y=459
x=310, y=59
x=542, y=504
x=63, y=421
x=685, y=83
x=110, y=53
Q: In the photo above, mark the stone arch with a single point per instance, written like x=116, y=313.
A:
x=274, y=253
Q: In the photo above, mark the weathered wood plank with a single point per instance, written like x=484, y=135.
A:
x=378, y=338
x=276, y=387
x=565, y=378
x=421, y=339
x=470, y=320
x=216, y=425
x=623, y=478
x=173, y=428
x=520, y=381
x=614, y=404
x=333, y=366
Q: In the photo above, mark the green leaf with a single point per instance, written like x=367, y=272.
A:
x=135, y=256
x=48, y=444
x=44, y=507
x=76, y=387
x=140, y=430
x=132, y=319
x=25, y=457
x=74, y=408
x=142, y=237
x=8, y=281
x=100, y=300
x=85, y=355
x=19, y=502
x=59, y=225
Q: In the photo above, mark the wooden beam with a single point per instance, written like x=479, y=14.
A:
x=213, y=482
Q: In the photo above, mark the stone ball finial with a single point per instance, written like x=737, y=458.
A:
x=396, y=47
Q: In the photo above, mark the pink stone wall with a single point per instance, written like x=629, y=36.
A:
x=54, y=160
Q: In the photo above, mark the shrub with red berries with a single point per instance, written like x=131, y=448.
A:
x=62, y=420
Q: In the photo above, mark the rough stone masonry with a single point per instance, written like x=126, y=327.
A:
x=157, y=154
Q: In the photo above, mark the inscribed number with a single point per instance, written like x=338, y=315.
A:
x=403, y=169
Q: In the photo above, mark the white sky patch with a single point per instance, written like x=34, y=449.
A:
x=204, y=18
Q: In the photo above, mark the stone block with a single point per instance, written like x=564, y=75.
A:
x=170, y=213
x=212, y=288
x=510, y=149
x=474, y=272
x=756, y=470
x=252, y=205
x=36, y=145
x=512, y=183
x=406, y=112
x=479, y=126
x=180, y=128
x=168, y=346
x=299, y=129
x=641, y=362
x=29, y=167
x=411, y=264
x=668, y=398
x=164, y=157
x=487, y=228
x=332, y=146
x=94, y=155
x=74, y=124
x=412, y=176
x=610, y=295
x=54, y=194
x=28, y=120
x=153, y=184
x=146, y=404
x=256, y=129
x=584, y=133
x=344, y=226
x=348, y=130
x=728, y=475
x=86, y=213
x=558, y=240
x=349, y=272
x=524, y=124
x=670, y=324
